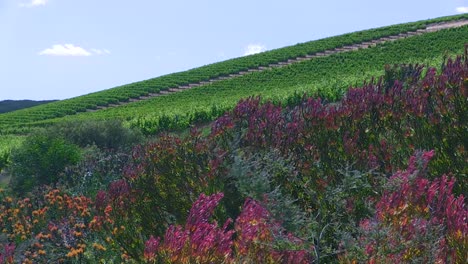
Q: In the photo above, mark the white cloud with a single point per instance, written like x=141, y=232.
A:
x=254, y=49
x=34, y=3
x=462, y=9
x=72, y=50
x=65, y=50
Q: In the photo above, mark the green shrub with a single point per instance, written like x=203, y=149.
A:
x=109, y=134
x=96, y=169
x=266, y=176
x=40, y=160
x=4, y=159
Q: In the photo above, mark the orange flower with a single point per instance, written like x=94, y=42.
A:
x=74, y=252
x=80, y=225
x=85, y=213
x=71, y=254
x=99, y=247
x=52, y=227
x=27, y=261
x=42, y=236
x=38, y=245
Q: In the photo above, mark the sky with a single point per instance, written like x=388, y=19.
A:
x=58, y=49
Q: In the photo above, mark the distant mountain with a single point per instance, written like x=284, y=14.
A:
x=12, y=105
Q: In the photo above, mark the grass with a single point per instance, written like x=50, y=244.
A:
x=8, y=142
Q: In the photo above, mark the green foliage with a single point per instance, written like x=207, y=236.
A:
x=106, y=134
x=340, y=207
x=49, y=151
x=96, y=169
x=40, y=160
x=265, y=176
x=7, y=143
x=408, y=74
x=170, y=179
x=166, y=178
x=268, y=177
x=4, y=160
x=415, y=221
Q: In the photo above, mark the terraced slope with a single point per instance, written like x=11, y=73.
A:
x=148, y=91
x=363, y=45
x=327, y=77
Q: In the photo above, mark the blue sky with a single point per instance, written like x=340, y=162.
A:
x=57, y=49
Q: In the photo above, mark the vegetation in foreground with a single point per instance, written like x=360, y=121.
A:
x=376, y=177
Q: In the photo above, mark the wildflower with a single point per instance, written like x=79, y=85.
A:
x=99, y=247
x=118, y=188
x=151, y=247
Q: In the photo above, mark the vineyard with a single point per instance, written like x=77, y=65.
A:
x=327, y=77
x=161, y=116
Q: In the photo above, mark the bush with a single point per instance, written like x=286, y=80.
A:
x=204, y=241
x=4, y=160
x=157, y=191
x=416, y=220
x=269, y=178
x=40, y=160
x=96, y=169
x=109, y=134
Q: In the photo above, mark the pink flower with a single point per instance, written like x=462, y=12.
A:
x=151, y=248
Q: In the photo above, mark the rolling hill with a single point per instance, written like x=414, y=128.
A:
x=13, y=105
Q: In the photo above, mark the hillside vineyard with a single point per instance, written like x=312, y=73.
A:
x=219, y=72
